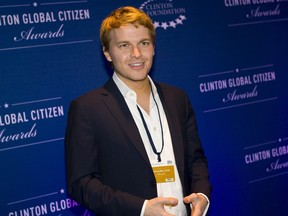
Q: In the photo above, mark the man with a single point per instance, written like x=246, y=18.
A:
x=132, y=146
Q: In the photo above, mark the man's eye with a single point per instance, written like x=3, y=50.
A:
x=145, y=43
x=122, y=46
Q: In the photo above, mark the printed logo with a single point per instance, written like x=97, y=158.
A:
x=164, y=13
x=28, y=21
x=254, y=12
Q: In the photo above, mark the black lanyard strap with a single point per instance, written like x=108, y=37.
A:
x=148, y=133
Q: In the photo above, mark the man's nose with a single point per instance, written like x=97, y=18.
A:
x=136, y=53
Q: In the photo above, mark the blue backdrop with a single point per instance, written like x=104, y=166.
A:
x=229, y=56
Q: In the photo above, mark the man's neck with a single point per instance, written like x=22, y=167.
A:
x=143, y=95
x=142, y=89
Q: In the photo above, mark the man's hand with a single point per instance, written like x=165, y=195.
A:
x=198, y=203
x=155, y=207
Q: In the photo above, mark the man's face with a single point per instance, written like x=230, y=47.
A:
x=131, y=51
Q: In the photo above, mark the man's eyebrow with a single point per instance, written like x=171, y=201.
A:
x=127, y=41
x=124, y=41
x=121, y=42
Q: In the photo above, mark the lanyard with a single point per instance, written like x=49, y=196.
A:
x=148, y=133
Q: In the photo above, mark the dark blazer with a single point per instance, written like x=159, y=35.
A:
x=108, y=170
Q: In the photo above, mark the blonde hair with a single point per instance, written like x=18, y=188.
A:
x=123, y=16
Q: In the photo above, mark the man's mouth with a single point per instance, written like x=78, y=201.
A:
x=137, y=65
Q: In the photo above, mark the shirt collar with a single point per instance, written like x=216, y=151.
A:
x=125, y=90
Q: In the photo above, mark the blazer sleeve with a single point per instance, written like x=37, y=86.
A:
x=196, y=159
x=193, y=167
x=82, y=169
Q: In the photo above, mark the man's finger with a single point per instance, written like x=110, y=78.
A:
x=191, y=198
x=168, y=201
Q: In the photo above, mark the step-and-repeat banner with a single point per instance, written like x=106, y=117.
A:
x=230, y=56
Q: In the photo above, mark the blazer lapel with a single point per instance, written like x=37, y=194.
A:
x=119, y=109
x=170, y=107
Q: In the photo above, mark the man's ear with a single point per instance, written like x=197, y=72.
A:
x=107, y=55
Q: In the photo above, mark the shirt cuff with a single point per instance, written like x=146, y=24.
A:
x=143, y=208
x=207, y=206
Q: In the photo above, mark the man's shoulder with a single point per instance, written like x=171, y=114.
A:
x=97, y=92
x=90, y=95
x=166, y=88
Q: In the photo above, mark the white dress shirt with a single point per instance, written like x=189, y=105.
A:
x=170, y=189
